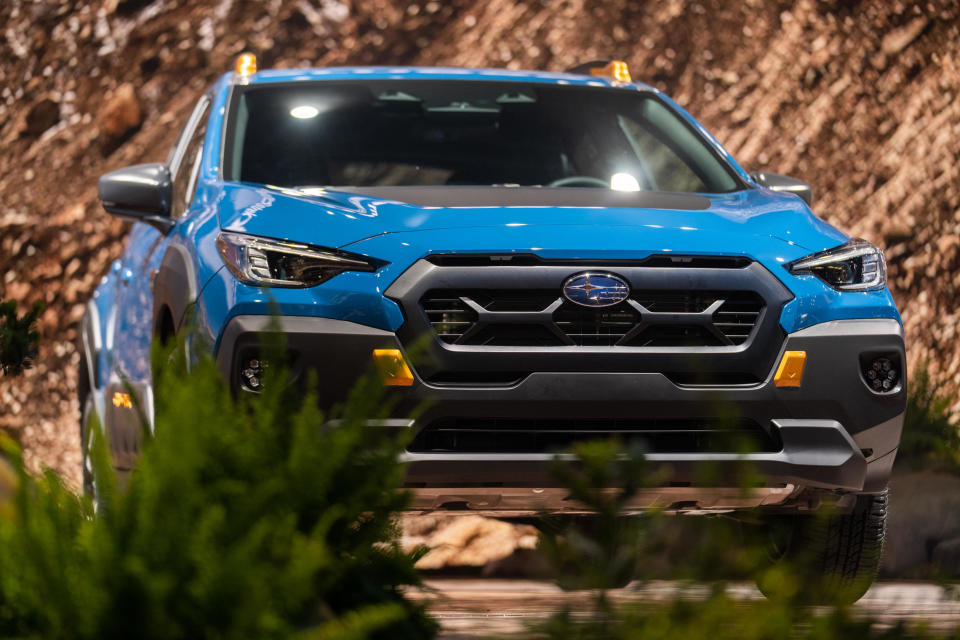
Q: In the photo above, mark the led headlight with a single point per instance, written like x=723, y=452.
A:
x=854, y=266
x=277, y=263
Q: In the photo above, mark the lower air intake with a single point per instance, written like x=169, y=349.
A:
x=505, y=435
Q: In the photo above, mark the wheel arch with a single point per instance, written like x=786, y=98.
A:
x=174, y=291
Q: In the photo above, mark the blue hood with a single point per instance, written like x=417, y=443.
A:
x=754, y=222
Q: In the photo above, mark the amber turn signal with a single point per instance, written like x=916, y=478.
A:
x=790, y=371
x=392, y=367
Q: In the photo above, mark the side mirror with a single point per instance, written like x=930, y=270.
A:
x=142, y=192
x=777, y=182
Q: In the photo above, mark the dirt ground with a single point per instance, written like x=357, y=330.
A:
x=471, y=608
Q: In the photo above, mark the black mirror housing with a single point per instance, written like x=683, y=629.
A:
x=142, y=192
x=777, y=182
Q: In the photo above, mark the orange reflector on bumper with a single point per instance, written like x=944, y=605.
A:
x=790, y=371
x=392, y=367
x=122, y=400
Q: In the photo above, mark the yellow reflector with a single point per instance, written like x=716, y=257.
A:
x=392, y=367
x=246, y=64
x=616, y=69
x=790, y=371
x=122, y=400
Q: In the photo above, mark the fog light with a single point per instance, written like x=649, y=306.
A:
x=882, y=374
x=251, y=374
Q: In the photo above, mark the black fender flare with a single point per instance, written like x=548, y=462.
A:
x=174, y=287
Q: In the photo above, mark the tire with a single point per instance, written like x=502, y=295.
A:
x=835, y=558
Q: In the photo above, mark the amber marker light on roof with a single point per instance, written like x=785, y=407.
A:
x=616, y=69
x=790, y=371
x=392, y=367
x=246, y=64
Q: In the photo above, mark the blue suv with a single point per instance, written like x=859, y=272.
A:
x=575, y=256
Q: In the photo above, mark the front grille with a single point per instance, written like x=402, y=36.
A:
x=540, y=318
x=505, y=435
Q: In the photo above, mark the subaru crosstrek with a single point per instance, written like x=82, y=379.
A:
x=576, y=257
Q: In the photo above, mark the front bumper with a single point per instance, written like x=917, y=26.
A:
x=833, y=433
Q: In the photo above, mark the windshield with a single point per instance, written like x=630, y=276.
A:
x=430, y=132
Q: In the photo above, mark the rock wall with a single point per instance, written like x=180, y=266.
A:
x=860, y=98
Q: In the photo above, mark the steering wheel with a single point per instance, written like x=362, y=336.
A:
x=587, y=181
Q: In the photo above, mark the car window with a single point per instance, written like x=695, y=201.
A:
x=176, y=152
x=184, y=176
x=663, y=168
x=428, y=132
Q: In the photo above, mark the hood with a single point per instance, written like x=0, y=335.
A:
x=451, y=218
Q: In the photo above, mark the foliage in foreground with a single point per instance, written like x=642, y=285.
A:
x=242, y=520
x=18, y=338
x=599, y=553
x=930, y=438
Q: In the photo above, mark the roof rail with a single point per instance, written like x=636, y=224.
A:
x=615, y=69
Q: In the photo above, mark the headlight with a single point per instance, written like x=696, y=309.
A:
x=854, y=266
x=276, y=263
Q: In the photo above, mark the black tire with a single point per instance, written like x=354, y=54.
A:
x=838, y=556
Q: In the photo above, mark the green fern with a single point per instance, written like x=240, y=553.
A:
x=243, y=519
x=930, y=437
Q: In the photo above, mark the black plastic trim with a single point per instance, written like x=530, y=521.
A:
x=815, y=421
x=754, y=357
x=531, y=260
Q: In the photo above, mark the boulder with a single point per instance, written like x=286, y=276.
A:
x=465, y=541
x=121, y=114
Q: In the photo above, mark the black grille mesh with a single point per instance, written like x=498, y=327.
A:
x=651, y=318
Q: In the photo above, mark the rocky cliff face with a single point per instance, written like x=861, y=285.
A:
x=860, y=98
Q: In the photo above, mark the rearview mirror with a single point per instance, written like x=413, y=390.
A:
x=777, y=182
x=142, y=192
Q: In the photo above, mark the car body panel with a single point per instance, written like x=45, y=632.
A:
x=772, y=228
x=342, y=217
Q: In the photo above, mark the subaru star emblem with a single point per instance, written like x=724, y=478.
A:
x=596, y=289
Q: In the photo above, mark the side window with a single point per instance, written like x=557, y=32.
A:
x=185, y=160
x=173, y=158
